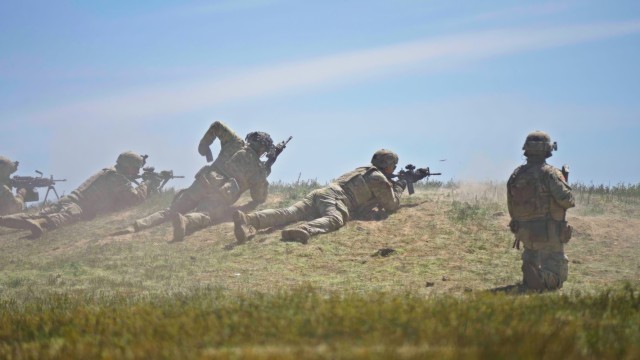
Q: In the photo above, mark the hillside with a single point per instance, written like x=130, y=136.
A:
x=456, y=234
x=451, y=244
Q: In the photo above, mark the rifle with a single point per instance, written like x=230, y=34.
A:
x=30, y=184
x=164, y=176
x=412, y=175
x=272, y=155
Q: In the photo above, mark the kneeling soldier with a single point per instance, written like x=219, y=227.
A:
x=538, y=198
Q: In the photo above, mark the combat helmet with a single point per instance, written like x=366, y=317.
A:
x=7, y=167
x=259, y=141
x=539, y=143
x=130, y=159
x=384, y=158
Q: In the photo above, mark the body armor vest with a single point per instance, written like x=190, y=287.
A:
x=355, y=185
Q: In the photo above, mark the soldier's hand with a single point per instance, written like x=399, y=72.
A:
x=402, y=183
x=205, y=150
x=166, y=174
x=22, y=192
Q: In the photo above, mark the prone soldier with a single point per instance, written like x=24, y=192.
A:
x=9, y=203
x=538, y=197
x=108, y=190
x=329, y=208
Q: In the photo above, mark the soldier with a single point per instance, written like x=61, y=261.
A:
x=538, y=197
x=109, y=190
x=353, y=193
x=216, y=187
x=9, y=203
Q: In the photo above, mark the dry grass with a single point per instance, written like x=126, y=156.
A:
x=453, y=237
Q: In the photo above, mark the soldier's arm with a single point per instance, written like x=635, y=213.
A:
x=220, y=131
x=509, y=196
x=560, y=190
x=386, y=193
x=125, y=193
x=11, y=204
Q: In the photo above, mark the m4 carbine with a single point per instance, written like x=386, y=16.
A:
x=149, y=173
x=412, y=175
x=30, y=183
x=272, y=156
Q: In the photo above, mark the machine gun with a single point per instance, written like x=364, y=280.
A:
x=412, y=175
x=272, y=155
x=149, y=173
x=30, y=184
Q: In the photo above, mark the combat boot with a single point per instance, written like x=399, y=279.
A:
x=179, y=223
x=296, y=235
x=531, y=278
x=243, y=226
x=37, y=227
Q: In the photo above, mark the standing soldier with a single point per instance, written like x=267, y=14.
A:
x=9, y=203
x=109, y=190
x=538, y=198
x=216, y=187
x=353, y=193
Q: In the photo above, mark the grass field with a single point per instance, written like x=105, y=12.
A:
x=78, y=293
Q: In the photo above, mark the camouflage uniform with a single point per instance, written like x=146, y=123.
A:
x=217, y=186
x=9, y=203
x=327, y=209
x=538, y=197
x=106, y=191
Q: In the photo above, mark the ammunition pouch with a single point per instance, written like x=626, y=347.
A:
x=533, y=230
x=541, y=230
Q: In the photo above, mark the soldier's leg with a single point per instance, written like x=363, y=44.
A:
x=17, y=221
x=152, y=220
x=301, y=210
x=327, y=218
x=531, y=278
x=183, y=202
x=67, y=213
x=246, y=225
x=49, y=218
x=554, y=269
x=211, y=208
x=187, y=224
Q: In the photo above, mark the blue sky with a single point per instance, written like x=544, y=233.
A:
x=463, y=81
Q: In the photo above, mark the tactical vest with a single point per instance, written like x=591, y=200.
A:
x=355, y=186
x=530, y=205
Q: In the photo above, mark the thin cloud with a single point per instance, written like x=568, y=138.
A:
x=340, y=69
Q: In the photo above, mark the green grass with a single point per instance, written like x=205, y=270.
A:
x=305, y=322
x=78, y=293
